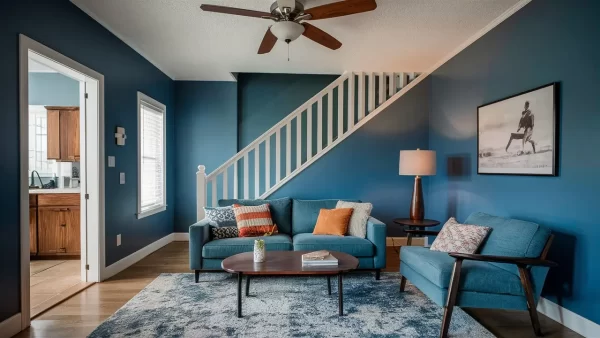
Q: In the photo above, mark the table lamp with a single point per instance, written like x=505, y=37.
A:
x=417, y=163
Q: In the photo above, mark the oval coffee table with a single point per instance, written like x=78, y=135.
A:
x=287, y=263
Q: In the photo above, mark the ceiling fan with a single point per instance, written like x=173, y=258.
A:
x=289, y=16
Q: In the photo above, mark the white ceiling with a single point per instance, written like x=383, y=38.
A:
x=189, y=44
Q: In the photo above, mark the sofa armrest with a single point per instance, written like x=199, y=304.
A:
x=519, y=261
x=376, y=233
x=199, y=235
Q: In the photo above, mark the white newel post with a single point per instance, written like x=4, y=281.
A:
x=200, y=192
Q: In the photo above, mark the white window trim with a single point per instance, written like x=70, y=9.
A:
x=141, y=97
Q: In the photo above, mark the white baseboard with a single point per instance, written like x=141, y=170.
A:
x=135, y=257
x=568, y=318
x=10, y=326
x=181, y=236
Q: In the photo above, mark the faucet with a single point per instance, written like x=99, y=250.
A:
x=31, y=184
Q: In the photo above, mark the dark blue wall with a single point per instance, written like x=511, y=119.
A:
x=53, y=89
x=546, y=41
x=365, y=165
x=265, y=99
x=61, y=26
x=206, y=133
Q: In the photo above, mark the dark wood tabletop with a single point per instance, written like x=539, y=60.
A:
x=416, y=223
x=286, y=263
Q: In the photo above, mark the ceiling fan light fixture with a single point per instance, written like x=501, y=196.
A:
x=287, y=31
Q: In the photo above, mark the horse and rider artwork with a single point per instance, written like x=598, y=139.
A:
x=518, y=135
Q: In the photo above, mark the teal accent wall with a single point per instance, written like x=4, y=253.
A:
x=546, y=41
x=53, y=89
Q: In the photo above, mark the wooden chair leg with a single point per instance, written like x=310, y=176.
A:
x=377, y=274
x=452, y=293
x=526, y=282
x=197, y=275
x=402, y=283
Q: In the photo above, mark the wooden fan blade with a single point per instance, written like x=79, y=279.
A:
x=267, y=43
x=234, y=11
x=341, y=8
x=320, y=36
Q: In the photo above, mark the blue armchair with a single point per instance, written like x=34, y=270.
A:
x=509, y=272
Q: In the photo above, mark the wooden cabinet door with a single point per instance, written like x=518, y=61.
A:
x=33, y=230
x=53, y=130
x=71, y=118
x=73, y=232
x=51, y=230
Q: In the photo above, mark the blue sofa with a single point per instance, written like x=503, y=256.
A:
x=509, y=272
x=295, y=220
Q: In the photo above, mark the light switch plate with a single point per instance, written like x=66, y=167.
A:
x=111, y=161
x=119, y=240
x=122, y=178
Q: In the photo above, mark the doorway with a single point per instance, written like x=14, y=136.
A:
x=62, y=191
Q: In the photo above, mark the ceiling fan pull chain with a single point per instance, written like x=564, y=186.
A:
x=288, y=52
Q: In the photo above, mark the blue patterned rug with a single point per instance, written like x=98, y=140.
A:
x=174, y=306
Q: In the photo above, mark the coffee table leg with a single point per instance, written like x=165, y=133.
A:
x=247, y=285
x=239, y=296
x=329, y=285
x=340, y=295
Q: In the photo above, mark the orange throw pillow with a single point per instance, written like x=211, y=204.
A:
x=333, y=221
x=253, y=221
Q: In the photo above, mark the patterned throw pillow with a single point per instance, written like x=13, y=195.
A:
x=254, y=221
x=221, y=216
x=456, y=237
x=360, y=216
x=225, y=232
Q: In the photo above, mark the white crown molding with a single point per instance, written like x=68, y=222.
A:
x=122, y=38
x=568, y=318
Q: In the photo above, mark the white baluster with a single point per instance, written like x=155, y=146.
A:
x=351, y=98
x=246, y=177
x=200, y=192
x=268, y=163
x=392, y=85
x=257, y=171
x=225, y=185
x=288, y=148
x=298, y=141
x=371, y=103
x=402, y=80
x=411, y=76
x=320, y=125
x=361, y=97
x=381, y=88
x=309, y=132
x=236, y=186
x=277, y=156
x=329, y=117
x=214, y=191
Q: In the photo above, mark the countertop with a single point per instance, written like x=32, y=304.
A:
x=55, y=191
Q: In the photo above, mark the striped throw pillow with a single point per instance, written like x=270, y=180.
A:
x=254, y=221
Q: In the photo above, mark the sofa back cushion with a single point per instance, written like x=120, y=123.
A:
x=281, y=210
x=306, y=212
x=510, y=237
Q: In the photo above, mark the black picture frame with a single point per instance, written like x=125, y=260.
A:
x=555, y=129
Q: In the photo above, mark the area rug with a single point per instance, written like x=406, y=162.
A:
x=174, y=306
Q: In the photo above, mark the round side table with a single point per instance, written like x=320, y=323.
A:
x=420, y=225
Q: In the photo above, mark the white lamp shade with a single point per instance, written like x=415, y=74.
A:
x=417, y=162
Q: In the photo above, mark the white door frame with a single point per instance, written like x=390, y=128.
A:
x=92, y=156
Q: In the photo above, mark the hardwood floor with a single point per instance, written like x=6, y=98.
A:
x=79, y=315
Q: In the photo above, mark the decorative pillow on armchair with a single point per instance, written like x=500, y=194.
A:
x=462, y=238
x=254, y=221
x=221, y=216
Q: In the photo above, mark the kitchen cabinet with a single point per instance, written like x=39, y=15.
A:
x=63, y=134
x=58, y=225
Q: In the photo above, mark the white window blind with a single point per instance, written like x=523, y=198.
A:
x=152, y=185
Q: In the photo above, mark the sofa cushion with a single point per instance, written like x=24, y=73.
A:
x=510, y=237
x=223, y=248
x=475, y=276
x=355, y=246
x=281, y=211
x=306, y=213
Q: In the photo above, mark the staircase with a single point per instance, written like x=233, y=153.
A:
x=318, y=125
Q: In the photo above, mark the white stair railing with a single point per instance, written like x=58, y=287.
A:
x=357, y=94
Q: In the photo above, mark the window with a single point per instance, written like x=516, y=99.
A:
x=38, y=142
x=151, y=156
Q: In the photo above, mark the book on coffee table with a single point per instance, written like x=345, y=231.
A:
x=319, y=258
